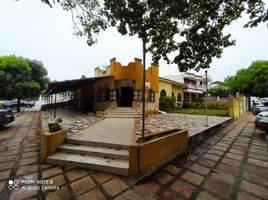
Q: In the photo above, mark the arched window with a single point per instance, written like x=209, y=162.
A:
x=172, y=94
x=179, y=97
x=163, y=93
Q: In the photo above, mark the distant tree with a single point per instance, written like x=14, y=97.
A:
x=252, y=81
x=20, y=78
x=219, y=91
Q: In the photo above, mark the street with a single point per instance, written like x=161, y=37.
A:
x=232, y=164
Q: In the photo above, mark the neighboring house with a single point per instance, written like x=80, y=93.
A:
x=193, y=86
x=121, y=86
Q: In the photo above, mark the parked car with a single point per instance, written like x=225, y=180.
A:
x=6, y=116
x=14, y=103
x=261, y=121
x=256, y=110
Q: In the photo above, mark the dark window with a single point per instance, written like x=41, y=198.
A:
x=179, y=97
x=163, y=93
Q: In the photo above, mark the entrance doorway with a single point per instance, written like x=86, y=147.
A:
x=126, y=97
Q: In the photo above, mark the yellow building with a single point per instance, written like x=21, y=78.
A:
x=121, y=86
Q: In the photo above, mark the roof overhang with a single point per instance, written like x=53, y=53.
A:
x=68, y=85
x=193, y=91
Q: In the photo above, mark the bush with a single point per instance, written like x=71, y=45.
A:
x=1, y=105
x=54, y=127
x=59, y=120
x=211, y=105
x=167, y=103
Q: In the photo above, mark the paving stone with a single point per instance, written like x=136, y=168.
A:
x=4, y=175
x=5, y=166
x=193, y=177
x=216, y=152
x=258, y=156
x=263, y=172
x=27, y=169
x=22, y=194
x=183, y=188
x=254, y=189
x=173, y=169
x=51, y=172
x=163, y=178
x=27, y=161
x=2, y=185
x=245, y=196
x=211, y=157
x=62, y=193
x=56, y=180
x=168, y=195
x=93, y=194
x=227, y=168
x=257, y=162
x=219, y=188
x=231, y=162
x=82, y=185
x=234, y=156
x=256, y=179
x=75, y=174
x=29, y=154
x=206, y=196
x=102, y=177
x=129, y=195
x=223, y=177
x=114, y=186
x=7, y=158
x=200, y=169
x=206, y=162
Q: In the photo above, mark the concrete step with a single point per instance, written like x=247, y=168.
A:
x=95, y=151
x=121, y=116
x=124, y=111
x=76, y=141
x=115, y=166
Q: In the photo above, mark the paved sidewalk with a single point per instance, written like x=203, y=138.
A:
x=232, y=164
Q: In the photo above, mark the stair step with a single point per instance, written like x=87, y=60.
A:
x=115, y=166
x=95, y=151
x=123, y=112
x=69, y=140
x=121, y=116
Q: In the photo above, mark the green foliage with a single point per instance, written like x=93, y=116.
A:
x=1, y=105
x=59, y=120
x=167, y=103
x=186, y=33
x=221, y=105
x=21, y=78
x=54, y=127
x=219, y=90
x=198, y=111
x=252, y=81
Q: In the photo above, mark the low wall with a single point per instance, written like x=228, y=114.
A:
x=51, y=141
x=148, y=156
x=56, y=105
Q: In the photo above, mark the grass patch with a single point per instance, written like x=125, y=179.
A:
x=196, y=111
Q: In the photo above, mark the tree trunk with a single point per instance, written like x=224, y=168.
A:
x=18, y=105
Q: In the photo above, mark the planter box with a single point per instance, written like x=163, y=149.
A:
x=51, y=141
x=150, y=155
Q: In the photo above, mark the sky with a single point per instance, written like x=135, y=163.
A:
x=31, y=29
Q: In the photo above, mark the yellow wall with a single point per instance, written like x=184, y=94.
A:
x=133, y=71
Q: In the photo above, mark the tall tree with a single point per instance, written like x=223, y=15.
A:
x=189, y=29
x=20, y=78
x=252, y=81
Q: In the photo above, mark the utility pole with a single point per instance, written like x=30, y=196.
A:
x=143, y=86
x=206, y=97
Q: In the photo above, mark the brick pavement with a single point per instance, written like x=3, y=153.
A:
x=232, y=164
